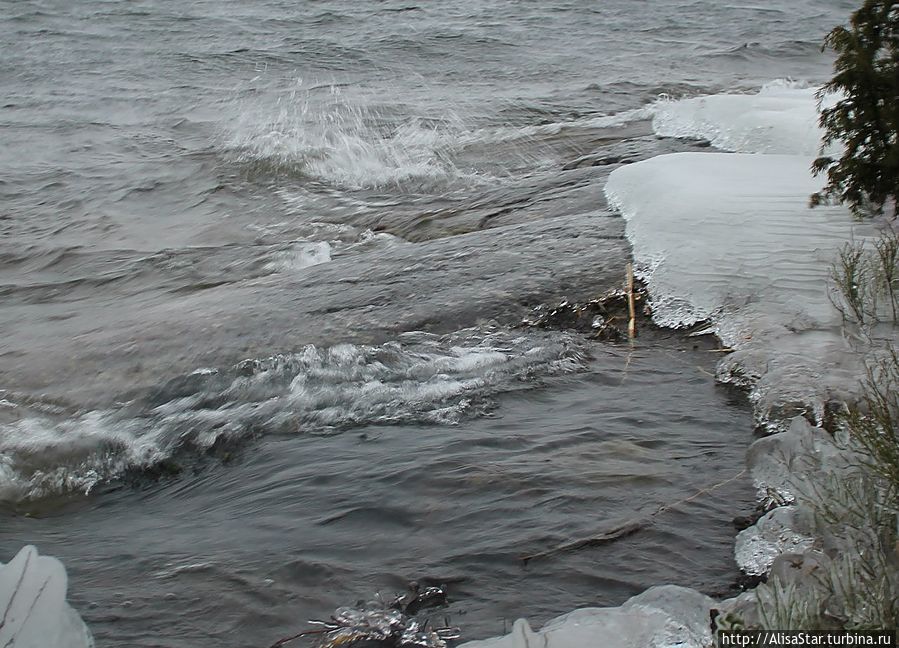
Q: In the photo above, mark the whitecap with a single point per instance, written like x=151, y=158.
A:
x=418, y=378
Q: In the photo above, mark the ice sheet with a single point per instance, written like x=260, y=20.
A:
x=33, y=608
x=730, y=238
x=780, y=118
x=661, y=617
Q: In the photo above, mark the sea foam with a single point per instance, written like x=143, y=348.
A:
x=343, y=143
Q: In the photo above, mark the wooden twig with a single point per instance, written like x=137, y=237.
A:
x=628, y=528
x=307, y=633
x=621, y=531
x=631, y=303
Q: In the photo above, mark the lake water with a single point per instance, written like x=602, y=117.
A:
x=258, y=266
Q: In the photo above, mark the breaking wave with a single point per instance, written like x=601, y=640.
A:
x=418, y=378
x=344, y=144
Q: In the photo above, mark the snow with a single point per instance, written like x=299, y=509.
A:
x=730, y=238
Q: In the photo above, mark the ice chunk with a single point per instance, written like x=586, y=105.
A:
x=661, y=617
x=718, y=232
x=730, y=237
x=784, y=463
x=779, y=119
x=33, y=608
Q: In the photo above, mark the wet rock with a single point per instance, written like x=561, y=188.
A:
x=380, y=625
x=604, y=318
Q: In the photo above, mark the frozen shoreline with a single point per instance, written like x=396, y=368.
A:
x=760, y=277
x=768, y=303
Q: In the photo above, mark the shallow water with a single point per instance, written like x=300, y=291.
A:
x=288, y=528
x=184, y=189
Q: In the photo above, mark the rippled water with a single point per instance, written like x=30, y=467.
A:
x=244, y=549
x=258, y=263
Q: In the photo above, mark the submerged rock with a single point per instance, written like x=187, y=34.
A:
x=34, y=607
x=383, y=625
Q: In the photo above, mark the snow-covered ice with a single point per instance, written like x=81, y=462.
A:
x=661, y=617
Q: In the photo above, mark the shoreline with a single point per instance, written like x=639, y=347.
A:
x=776, y=542
x=789, y=353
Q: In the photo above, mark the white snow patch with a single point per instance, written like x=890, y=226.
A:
x=730, y=238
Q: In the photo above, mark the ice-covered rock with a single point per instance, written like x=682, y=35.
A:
x=789, y=462
x=33, y=608
x=661, y=617
x=780, y=118
x=784, y=530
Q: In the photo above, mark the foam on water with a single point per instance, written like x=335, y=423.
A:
x=299, y=255
x=420, y=377
x=730, y=238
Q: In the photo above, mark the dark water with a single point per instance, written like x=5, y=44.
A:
x=242, y=552
x=184, y=187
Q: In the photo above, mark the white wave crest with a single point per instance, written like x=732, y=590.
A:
x=342, y=143
x=421, y=377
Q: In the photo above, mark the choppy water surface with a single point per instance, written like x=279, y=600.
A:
x=257, y=263
x=241, y=551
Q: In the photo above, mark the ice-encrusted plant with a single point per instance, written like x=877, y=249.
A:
x=786, y=605
x=874, y=423
x=853, y=583
x=858, y=514
x=866, y=282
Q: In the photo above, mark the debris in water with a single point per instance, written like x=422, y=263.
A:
x=384, y=625
x=605, y=318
